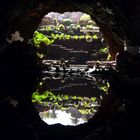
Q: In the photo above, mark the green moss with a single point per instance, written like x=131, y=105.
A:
x=104, y=50
x=39, y=37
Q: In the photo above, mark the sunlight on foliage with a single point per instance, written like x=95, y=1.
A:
x=39, y=37
x=104, y=88
x=48, y=40
x=49, y=95
x=95, y=37
x=85, y=17
x=84, y=104
x=109, y=56
x=40, y=55
x=104, y=50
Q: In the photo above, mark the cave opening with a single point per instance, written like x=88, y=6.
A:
x=72, y=50
x=116, y=120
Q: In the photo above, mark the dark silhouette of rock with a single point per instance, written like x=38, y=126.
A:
x=18, y=73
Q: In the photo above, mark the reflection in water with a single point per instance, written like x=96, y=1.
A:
x=71, y=102
x=68, y=92
x=65, y=109
x=62, y=117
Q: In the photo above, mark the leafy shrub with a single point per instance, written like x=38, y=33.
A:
x=39, y=37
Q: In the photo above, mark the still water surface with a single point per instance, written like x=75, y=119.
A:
x=69, y=99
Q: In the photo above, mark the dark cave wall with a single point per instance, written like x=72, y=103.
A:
x=130, y=11
x=25, y=16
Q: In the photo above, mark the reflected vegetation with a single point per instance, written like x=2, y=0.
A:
x=56, y=106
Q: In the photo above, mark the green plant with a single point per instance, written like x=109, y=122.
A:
x=75, y=37
x=104, y=50
x=64, y=101
x=105, y=87
x=81, y=37
x=39, y=37
x=95, y=37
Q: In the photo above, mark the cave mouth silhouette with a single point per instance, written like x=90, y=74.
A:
x=26, y=21
x=76, y=38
